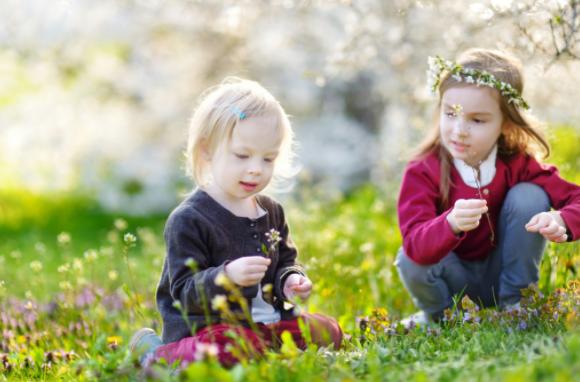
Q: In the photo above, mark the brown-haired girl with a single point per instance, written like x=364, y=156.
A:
x=475, y=204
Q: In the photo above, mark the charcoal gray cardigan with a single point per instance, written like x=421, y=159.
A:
x=203, y=230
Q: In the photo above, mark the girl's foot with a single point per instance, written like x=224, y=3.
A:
x=143, y=345
x=417, y=319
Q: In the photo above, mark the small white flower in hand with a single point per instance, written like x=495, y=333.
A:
x=297, y=285
x=550, y=225
x=273, y=237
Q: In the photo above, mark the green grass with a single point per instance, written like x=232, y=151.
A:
x=69, y=305
x=94, y=303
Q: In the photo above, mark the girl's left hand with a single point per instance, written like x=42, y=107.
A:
x=550, y=225
x=297, y=285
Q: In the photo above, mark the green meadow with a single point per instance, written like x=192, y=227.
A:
x=73, y=289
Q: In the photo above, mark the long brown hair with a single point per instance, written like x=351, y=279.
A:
x=521, y=135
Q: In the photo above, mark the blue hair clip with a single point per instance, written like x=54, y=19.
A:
x=240, y=114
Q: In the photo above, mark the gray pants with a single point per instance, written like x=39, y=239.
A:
x=495, y=280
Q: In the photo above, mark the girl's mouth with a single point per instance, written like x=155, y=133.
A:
x=247, y=186
x=459, y=147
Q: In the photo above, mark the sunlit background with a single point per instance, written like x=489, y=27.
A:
x=95, y=97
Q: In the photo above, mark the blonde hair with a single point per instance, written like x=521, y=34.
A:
x=521, y=135
x=219, y=110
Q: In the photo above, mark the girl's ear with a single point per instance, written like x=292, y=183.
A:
x=205, y=151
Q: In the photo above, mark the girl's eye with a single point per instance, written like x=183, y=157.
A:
x=242, y=156
x=477, y=120
x=450, y=114
x=268, y=160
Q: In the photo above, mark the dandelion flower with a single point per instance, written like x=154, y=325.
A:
x=222, y=280
x=219, y=302
x=91, y=255
x=65, y=285
x=63, y=268
x=120, y=224
x=63, y=238
x=129, y=238
x=36, y=266
x=113, y=275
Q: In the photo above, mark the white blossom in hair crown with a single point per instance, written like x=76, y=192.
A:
x=438, y=65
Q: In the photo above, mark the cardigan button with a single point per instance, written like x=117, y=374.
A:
x=258, y=249
x=252, y=224
x=255, y=236
x=485, y=191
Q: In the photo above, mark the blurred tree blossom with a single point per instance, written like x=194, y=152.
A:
x=97, y=95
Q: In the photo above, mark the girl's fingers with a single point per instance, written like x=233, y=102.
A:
x=256, y=269
x=472, y=212
x=553, y=232
x=557, y=238
x=304, y=295
x=257, y=260
x=468, y=219
x=288, y=292
x=254, y=277
x=539, y=223
x=471, y=222
x=306, y=286
x=531, y=228
x=470, y=203
x=533, y=221
x=553, y=229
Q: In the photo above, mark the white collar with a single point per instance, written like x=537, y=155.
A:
x=486, y=169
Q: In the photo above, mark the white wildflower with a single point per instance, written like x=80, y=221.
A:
x=63, y=238
x=219, y=302
x=36, y=266
x=129, y=238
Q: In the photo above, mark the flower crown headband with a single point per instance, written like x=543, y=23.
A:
x=438, y=65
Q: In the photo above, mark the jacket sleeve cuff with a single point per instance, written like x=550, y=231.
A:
x=572, y=224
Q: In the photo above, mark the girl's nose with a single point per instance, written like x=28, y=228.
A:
x=460, y=128
x=255, y=169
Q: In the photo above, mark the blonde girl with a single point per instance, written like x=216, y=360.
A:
x=216, y=268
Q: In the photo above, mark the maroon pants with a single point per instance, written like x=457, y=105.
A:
x=230, y=343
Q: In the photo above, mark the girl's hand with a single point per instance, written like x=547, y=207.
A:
x=297, y=285
x=247, y=271
x=466, y=214
x=550, y=225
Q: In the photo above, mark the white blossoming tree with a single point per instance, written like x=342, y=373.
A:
x=97, y=95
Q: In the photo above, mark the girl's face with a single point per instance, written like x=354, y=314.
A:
x=243, y=166
x=470, y=122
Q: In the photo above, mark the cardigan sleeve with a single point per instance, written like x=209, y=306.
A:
x=564, y=196
x=287, y=256
x=187, y=239
x=427, y=236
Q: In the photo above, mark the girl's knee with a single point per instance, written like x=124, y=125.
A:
x=324, y=330
x=411, y=272
x=527, y=198
x=244, y=341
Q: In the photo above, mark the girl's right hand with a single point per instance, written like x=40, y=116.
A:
x=247, y=271
x=466, y=214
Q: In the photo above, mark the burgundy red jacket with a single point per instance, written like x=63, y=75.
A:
x=427, y=236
